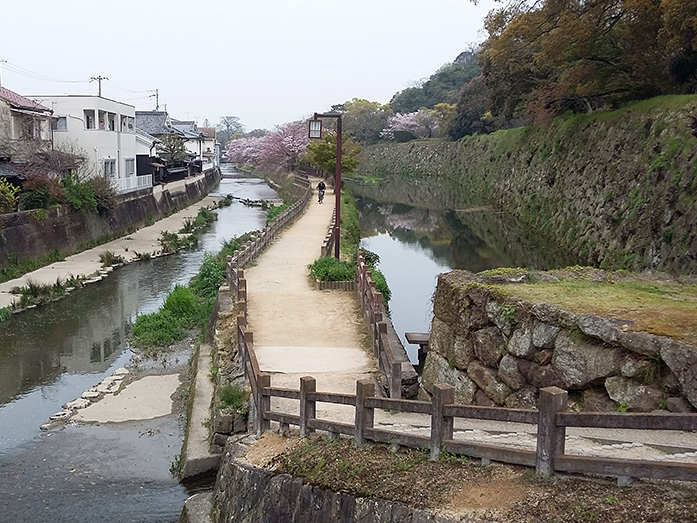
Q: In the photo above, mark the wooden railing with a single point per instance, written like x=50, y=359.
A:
x=327, y=249
x=374, y=313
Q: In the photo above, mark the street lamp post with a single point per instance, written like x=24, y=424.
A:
x=315, y=132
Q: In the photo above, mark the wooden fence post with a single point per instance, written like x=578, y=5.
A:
x=364, y=415
x=380, y=329
x=263, y=403
x=396, y=380
x=441, y=426
x=307, y=408
x=550, y=438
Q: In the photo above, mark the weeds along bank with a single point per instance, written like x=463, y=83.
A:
x=61, y=230
x=616, y=189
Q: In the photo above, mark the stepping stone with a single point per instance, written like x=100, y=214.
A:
x=121, y=371
x=60, y=416
x=90, y=394
x=79, y=403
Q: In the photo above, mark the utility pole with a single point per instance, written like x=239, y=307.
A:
x=99, y=80
x=1, y=62
x=156, y=95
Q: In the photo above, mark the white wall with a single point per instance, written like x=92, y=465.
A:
x=100, y=142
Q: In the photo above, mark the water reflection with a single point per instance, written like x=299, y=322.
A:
x=416, y=245
x=49, y=355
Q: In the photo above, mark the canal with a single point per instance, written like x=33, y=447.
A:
x=416, y=244
x=49, y=355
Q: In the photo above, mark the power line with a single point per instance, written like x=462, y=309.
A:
x=99, y=79
x=126, y=88
x=37, y=76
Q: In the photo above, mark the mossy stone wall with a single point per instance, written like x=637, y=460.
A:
x=616, y=189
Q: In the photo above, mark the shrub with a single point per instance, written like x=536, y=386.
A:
x=274, y=212
x=80, y=195
x=169, y=241
x=104, y=194
x=157, y=329
x=209, y=278
x=108, y=258
x=331, y=269
x=8, y=196
x=40, y=192
x=233, y=396
x=184, y=305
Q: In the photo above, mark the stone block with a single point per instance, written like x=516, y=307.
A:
x=509, y=372
x=540, y=376
x=544, y=357
x=438, y=370
x=483, y=400
x=544, y=334
x=501, y=317
x=636, y=396
x=581, y=363
x=679, y=405
x=525, y=398
x=223, y=423
x=682, y=361
x=486, y=379
x=635, y=367
x=598, y=401
x=520, y=343
x=489, y=346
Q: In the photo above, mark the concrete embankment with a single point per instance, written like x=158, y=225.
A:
x=29, y=235
x=187, y=195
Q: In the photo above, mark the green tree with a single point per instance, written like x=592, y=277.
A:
x=364, y=120
x=172, y=148
x=322, y=153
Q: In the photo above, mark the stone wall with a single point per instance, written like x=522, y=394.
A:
x=246, y=493
x=29, y=235
x=617, y=190
x=499, y=351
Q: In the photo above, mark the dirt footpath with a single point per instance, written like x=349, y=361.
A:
x=299, y=330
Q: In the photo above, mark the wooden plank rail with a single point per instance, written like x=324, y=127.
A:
x=627, y=468
x=627, y=420
x=491, y=452
x=492, y=413
x=552, y=419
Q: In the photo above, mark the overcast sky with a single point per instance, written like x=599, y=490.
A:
x=265, y=61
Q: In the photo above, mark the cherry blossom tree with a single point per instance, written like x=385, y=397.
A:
x=277, y=150
x=421, y=124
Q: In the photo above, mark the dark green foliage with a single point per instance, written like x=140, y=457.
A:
x=331, y=269
x=40, y=192
x=158, y=329
x=210, y=277
x=184, y=305
x=274, y=212
x=442, y=87
x=381, y=285
x=80, y=195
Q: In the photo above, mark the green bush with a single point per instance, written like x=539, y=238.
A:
x=8, y=197
x=233, y=396
x=210, y=277
x=158, y=329
x=104, y=194
x=381, y=285
x=274, y=212
x=184, y=305
x=40, y=192
x=80, y=195
x=331, y=269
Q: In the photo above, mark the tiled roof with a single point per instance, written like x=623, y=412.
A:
x=8, y=172
x=153, y=122
x=20, y=102
x=208, y=131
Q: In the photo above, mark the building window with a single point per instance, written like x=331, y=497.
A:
x=110, y=168
x=130, y=167
x=111, y=118
x=89, y=118
x=60, y=123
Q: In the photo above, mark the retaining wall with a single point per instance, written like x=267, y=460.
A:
x=28, y=235
x=497, y=350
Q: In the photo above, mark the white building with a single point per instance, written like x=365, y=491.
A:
x=102, y=130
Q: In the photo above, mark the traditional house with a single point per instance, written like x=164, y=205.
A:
x=104, y=132
x=25, y=132
x=211, y=148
